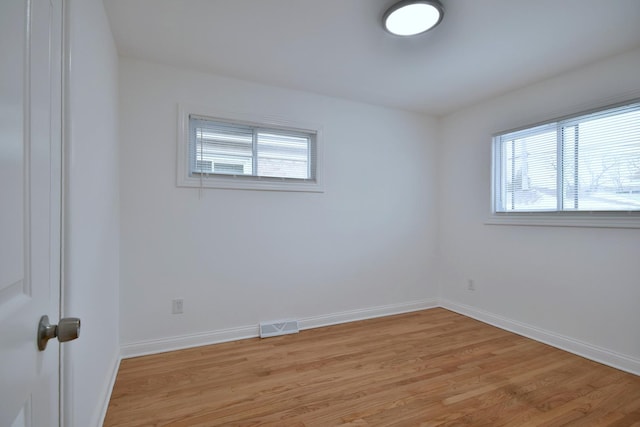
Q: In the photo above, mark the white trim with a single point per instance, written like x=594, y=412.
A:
x=162, y=345
x=366, y=313
x=184, y=178
x=65, y=387
x=142, y=348
x=580, y=348
x=109, y=391
x=560, y=219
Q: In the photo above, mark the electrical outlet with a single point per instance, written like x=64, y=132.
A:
x=177, y=306
x=471, y=286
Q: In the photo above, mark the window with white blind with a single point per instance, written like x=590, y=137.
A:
x=585, y=163
x=245, y=154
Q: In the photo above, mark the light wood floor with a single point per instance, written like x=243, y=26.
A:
x=428, y=368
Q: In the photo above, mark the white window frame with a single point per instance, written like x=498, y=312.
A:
x=185, y=178
x=560, y=218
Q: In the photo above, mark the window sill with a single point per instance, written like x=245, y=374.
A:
x=251, y=184
x=562, y=219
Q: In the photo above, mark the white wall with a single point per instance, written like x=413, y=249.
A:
x=92, y=212
x=364, y=247
x=578, y=286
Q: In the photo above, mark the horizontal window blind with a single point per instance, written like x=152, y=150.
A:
x=281, y=155
x=589, y=162
x=221, y=148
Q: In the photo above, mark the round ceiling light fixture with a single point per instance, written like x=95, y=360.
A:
x=412, y=17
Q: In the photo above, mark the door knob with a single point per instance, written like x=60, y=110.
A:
x=66, y=330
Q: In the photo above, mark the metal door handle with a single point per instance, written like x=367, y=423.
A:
x=67, y=329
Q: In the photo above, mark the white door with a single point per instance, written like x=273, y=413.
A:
x=30, y=201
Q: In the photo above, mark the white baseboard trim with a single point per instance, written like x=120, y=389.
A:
x=142, y=348
x=162, y=345
x=107, y=394
x=366, y=313
x=589, y=351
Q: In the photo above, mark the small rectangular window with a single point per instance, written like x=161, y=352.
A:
x=244, y=154
x=586, y=163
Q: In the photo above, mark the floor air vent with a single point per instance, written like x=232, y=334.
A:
x=282, y=327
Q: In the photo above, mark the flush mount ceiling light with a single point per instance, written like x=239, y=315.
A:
x=412, y=17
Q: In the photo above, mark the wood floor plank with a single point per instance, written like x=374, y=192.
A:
x=427, y=368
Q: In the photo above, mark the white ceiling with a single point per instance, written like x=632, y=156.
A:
x=338, y=48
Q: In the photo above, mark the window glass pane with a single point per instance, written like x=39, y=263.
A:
x=603, y=156
x=529, y=176
x=283, y=156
